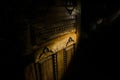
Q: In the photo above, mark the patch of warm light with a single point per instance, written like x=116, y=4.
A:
x=57, y=44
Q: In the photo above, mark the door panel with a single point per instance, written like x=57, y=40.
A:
x=47, y=69
x=54, y=66
x=60, y=64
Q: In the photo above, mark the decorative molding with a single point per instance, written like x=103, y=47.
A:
x=69, y=47
x=42, y=60
x=54, y=46
x=46, y=32
x=65, y=60
x=55, y=66
x=46, y=49
x=46, y=53
x=70, y=40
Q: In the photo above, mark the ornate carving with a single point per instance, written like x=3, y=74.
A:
x=69, y=41
x=45, y=50
x=54, y=46
x=45, y=32
x=55, y=66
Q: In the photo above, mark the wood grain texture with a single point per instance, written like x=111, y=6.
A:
x=47, y=70
x=60, y=62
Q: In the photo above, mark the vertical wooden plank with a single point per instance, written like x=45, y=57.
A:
x=30, y=72
x=69, y=53
x=60, y=64
x=47, y=69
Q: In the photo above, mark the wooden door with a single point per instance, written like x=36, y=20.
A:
x=45, y=69
x=60, y=64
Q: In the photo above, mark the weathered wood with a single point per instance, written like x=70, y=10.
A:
x=47, y=70
x=44, y=32
x=55, y=45
x=53, y=67
x=60, y=64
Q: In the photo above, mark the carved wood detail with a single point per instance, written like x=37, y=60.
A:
x=56, y=54
x=55, y=46
x=44, y=32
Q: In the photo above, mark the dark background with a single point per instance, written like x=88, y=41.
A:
x=97, y=54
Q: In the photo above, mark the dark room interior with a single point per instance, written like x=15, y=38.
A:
x=59, y=39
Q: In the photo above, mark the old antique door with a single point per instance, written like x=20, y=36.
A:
x=53, y=61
